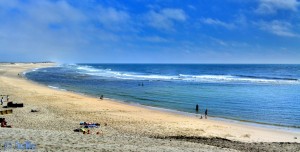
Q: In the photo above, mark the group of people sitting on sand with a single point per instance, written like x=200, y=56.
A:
x=89, y=124
x=85, y=127
x=2, y=120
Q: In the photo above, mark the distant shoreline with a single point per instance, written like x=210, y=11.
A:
x=26, y=62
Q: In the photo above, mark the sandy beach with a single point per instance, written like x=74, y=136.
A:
x=124, y=127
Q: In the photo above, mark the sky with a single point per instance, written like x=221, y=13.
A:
x=150, y=31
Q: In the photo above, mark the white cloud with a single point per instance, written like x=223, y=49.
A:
x=60, y=11
x=154, y=39
x=44, y=30
x=217, y=22
x=42, y=11
x=280, y=28
x=165, y=18
x=60, y=31
x=272, y=6
x=112, y=18
x=192, y=7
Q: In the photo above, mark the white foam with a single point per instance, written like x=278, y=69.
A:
x=32, y=70
x=88, y=68
x=57, y=88
x=181, y=77
x=53, y=87
x=230, y=78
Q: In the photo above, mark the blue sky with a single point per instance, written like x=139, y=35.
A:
x=150, y=31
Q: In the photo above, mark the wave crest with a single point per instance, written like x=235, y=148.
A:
x=84, y=69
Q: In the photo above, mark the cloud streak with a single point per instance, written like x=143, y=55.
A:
x=280, y=28
x=216, y=22
x=113, y=19
x=267, y=7
x=166, y=18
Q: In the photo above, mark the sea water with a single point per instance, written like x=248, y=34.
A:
x=266, y=94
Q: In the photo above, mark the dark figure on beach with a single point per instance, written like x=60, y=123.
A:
x=2, y=101
x=197, y=107
x=205, y=113
x=7, y=98
x=3, y=123
x=101, y=97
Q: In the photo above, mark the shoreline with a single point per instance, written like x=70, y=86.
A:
x=219, y=119
x=194, y=115
x=176, y=112
x=133, y=127
x=262, y=125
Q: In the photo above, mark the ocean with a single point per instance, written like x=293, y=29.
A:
x=263, y=94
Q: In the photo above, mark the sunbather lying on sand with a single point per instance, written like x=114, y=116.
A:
x=89, y=123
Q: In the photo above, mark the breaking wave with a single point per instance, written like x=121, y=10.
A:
x=108, y=73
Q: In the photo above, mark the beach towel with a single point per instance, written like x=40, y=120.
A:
x=91, y=126
x=83, y=129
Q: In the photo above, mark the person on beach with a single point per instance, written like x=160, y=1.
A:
x=3, y=123
x=101, y=97
x=205, y=113
x=7, y=98
x=2, y=101
x=197, y=107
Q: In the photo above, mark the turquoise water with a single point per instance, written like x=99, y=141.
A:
x=267, y=94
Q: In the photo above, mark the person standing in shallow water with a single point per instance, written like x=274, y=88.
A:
x=205, y=113
x=197, y=107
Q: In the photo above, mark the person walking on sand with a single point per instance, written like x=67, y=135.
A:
x=205, y=113
x=2, y=101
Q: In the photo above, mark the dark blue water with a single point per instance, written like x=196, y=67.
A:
x=268, y=94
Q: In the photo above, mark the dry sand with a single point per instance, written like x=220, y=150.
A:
x=128, y=127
